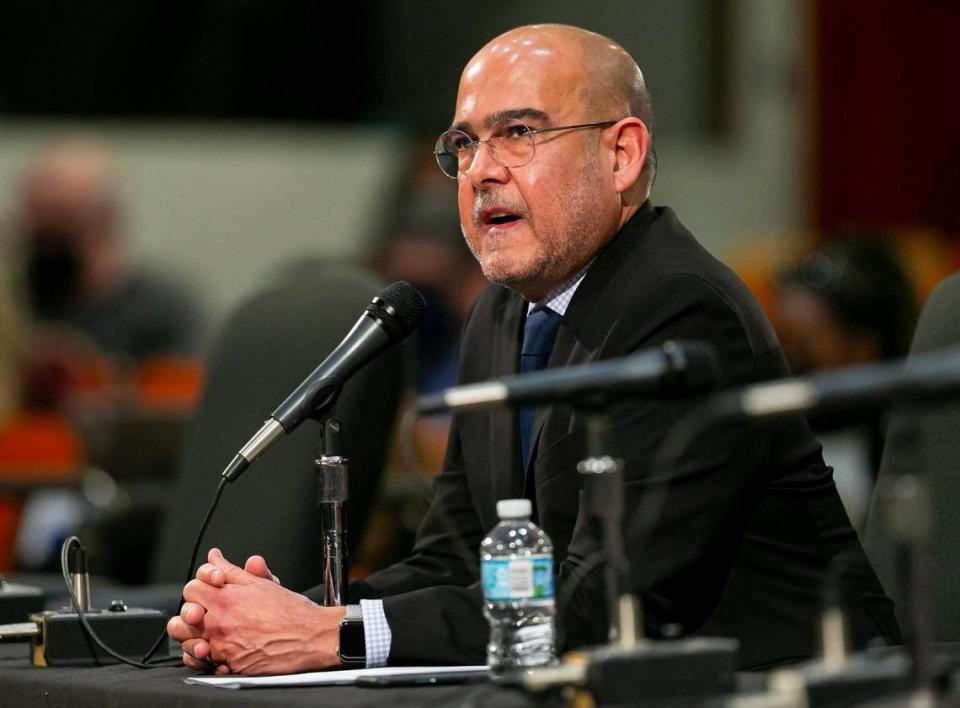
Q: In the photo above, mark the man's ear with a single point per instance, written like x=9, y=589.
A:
x=632, y=141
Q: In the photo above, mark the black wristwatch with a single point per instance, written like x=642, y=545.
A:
x=353, y=644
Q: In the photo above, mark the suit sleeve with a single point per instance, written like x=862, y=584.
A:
x=432, y=600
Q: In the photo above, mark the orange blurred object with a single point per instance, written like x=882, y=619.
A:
x=168, y=383
x=927, y=256
x=36, y=449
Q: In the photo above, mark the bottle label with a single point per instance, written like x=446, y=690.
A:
x=528, y=578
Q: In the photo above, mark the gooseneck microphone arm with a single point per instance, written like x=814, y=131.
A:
x=923, y=378
x=673, y=368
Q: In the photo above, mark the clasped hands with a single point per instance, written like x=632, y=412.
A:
x=242, y=621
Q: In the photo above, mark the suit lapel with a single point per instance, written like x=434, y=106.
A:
x=506, y=476
x=570, y=349
x=585, y=325
x=560, y=356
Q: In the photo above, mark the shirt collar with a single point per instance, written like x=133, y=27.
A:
x=559, y=298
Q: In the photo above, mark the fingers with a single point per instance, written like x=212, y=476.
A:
x=200, y=593
x=198, y=655
x=192, y=614
x=188, y=626
x=181, y=631
x=256, y=565
x=197, y=648
x=195, y=664
x=231, y=573
x=218, y=571
x=211, y=575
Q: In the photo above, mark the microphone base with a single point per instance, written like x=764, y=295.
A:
x=865, y=677
x=63, y=641
x=688, y=669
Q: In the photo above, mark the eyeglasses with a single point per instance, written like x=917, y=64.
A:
x=511, y=146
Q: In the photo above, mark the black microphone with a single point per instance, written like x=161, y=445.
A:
x=928, y=377
x=674, y=368
x=390, y=317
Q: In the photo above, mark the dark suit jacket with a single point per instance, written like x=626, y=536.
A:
x=751, y=518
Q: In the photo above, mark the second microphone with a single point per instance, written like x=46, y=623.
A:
x=670, y=369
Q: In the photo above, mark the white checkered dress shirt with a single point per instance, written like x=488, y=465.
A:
x=376, y=631
x=559, y=299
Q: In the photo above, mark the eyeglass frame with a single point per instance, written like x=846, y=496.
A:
x=474, y=145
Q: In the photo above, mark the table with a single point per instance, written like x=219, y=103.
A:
x=113, y=686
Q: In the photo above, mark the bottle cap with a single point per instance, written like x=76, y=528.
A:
x=514, y=508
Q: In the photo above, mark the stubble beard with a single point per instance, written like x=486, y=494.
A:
x=563, y=242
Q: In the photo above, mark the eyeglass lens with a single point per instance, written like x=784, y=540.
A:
x=455, y=150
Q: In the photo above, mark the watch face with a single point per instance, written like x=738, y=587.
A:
x=353, y=647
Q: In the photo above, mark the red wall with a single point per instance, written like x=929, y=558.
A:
x=887, y=116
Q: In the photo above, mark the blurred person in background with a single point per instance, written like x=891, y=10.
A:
x=93, y=320
x=425, y=246
x=848, y=303
x=85, y=295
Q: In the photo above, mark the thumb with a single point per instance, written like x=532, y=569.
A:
x=256, y=565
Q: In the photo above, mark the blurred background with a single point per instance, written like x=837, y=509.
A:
x=161, y=162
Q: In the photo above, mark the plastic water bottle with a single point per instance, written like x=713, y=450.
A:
x=516, y=568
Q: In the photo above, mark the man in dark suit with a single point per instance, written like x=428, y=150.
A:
x=551, y=151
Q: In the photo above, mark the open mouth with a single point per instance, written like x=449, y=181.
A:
x=498, y=218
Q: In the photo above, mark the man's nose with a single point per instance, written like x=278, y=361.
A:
x=485, y=167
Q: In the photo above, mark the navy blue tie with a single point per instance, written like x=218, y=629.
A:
x=538, y=334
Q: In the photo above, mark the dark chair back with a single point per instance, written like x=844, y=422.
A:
x=929, y=440
x=264, y=350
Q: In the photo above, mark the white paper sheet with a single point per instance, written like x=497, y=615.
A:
x=326, y=678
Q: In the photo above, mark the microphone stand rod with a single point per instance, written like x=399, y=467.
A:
x=332, y=492
x=604, y=490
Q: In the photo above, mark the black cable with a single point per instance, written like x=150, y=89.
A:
x=145, y=662
x=83, y=618
x=190, y=568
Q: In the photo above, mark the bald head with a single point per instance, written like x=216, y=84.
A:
x=69, y=213
x=556, y=161
x=607, y=83
x=70, y=182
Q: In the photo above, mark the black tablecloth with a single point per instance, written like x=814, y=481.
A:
x=110, y=686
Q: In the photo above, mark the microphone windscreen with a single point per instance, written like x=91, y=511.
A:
x=400, y=307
